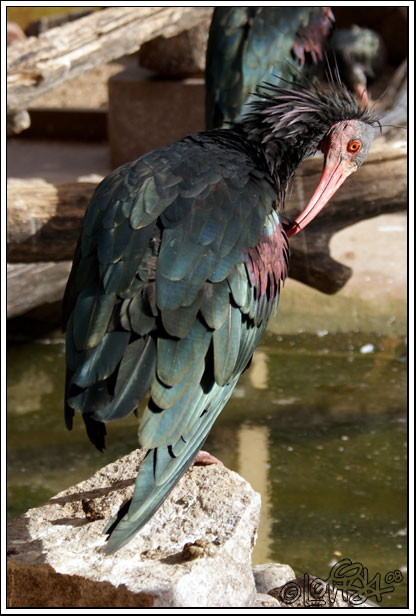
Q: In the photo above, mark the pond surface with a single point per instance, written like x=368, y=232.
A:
x=317, y=425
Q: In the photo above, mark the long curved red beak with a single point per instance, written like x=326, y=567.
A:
x=335, y=172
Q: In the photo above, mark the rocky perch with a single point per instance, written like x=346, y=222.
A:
x=195, y=552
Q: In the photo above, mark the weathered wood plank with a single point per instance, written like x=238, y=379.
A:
x=41, y=63
x=44, y=220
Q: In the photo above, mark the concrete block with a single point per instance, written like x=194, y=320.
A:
x=147, y=113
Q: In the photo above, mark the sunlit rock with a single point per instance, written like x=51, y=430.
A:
x=55, y=556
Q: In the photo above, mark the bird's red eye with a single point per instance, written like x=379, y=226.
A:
x=354, y=146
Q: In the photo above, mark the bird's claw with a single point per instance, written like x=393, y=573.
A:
x=204, y=458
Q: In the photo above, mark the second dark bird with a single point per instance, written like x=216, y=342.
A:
x=361, y=56
x=251, y=45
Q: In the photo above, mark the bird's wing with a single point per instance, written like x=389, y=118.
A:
x=165, y=295
x=248, y=46
x=223, y=78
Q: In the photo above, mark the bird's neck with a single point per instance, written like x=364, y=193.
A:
x=281, y=156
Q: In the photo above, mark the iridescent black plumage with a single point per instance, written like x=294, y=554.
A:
x=249, y=45
x=176, y=274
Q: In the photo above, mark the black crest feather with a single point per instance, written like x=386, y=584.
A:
x=285, y=112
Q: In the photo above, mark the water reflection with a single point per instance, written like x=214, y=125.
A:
x=253, y=465
x=316, y=425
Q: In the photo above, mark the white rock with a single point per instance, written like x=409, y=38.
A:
x=55, y=556
x=367, y=348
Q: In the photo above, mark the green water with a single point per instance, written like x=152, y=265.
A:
x=329, y=413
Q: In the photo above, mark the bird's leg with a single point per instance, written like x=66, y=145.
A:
x=204, y=458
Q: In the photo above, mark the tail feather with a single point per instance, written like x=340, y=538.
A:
x=159, y=473
x=123, y=528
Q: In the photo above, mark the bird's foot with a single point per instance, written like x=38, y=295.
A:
x=204, y=458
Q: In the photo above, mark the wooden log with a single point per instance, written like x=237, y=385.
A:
x=44, y=220
x=17, y=122
x=30, y=285
x=394, y=100
x=39, y=64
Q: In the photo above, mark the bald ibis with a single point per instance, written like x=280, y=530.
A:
x=250, y=45
x=361, y=55
x=178, y=270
